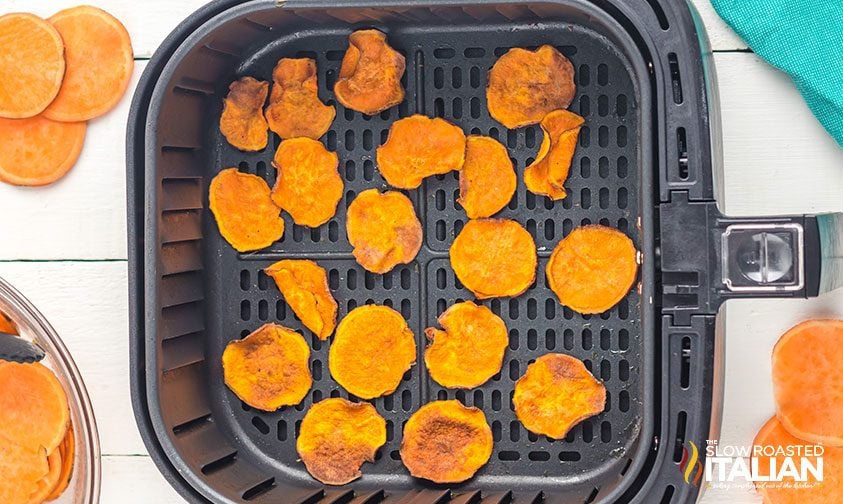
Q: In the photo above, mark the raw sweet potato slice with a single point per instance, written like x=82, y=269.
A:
x=371, y=351
x=487, y=178
x=67, y=449
x=294, y=107
x=242, y=122
x=46, y=484
x=6, y=324
x=337, y=436
x=494, y=258
x=22, y=469
x=556, y=393
x=547, y=174
x=308, y=184
x=38, y=151
x=269, y=368
x=445, y=442
x=32, y=65
x=100, y=61
x=304, y=285
x=370, y=76
x=383, y=229
x=418, y=147
x=33, y=406
x=246, y=215
x=592, y=268
x=524, y=86
x=470, y=349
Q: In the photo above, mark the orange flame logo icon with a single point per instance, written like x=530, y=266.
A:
x=690, y=466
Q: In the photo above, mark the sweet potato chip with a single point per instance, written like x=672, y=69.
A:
x=383, y=229
x=33, y=406
x=242, y=122
x=246, y=215
x=370, y=76
x=308, y=184
x=38, y=151
x=294, y=107
x=304, y=285
x=371, y=351
x=494, y=258
x=268, y=368
x=22, y=469
x=547, y=174
x=46, y=484
x=418, y=147
x=67, y=449
x=556, y=393
x=337, y=436
x=6, y=324
x=524, y=86
x=470, y=349
x=487, y=179
x=445, y=442
x=592, y=268
x=32, y=65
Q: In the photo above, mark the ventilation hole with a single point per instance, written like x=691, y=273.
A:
x=623, y=370
x=244, y=280
x=623, y=167
x=569, y=456
x=623, y=339
x=585, y=199
x=456, y=77
x=442, y=395
x=438, y=107
x=245, y=310
x=550, y=339
x=259, y=489
x=334, y=394
x=474, y=52
x=602, y=74
x=405, y=308
x=532, y=311
x=280, y=310
x=395, y=455
x=605, y=370
x=605, y=432
x=585, y=106
x=221, y=463
x=478, y=399
x=513, y=309
x=458, y=225
x=623, y=401
x=438, y=78
x=317, y=370
x=623, y=309
x=667, y=496
x=603, y=136
x=585, y=167
x=348, y=114
x=513, y=370
x=584, y=75
x=260, y=425
x=513, y=339
x=622, y=136
x=685, y=368
x=263, y=309
x=444, y=53
x=622, y=198
x=675, y=78
x=682, y=153
x=389, y=403
x=603, y=198
x=474, y=77
x=331, y=140
x=603, y=105
x=316, y=235
x=587, y=342
x=621, y=105
x=585, y=137
x=456, y=108
x=509, y=456
x=440, y=230
x=351, y=279
x=406, y=400
x=587, y=431
x=681, y=424
x=592, y=496
x=538, y=456
x=496, y=400
x=605, y=339
x=494, y=133
x=405, y=279
x=568, y=337
x=369, y=280
x=532, y=339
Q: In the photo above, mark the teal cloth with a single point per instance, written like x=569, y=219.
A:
x=803, y=38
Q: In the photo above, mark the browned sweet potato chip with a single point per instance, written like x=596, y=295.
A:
x=445, y=442
x=383, y=229
x=494, y=258
x=242, y=121
x=548, y=173
x=268, y=368
x=556, y=393
x=524, y=86
x=245, y=214
x=470, y=349
x=418, y=147
x=6, y=325
x=371, y=351
x=592, y=268
x=487, y=179
x=370, y=76
x=67, y=449
x=337, y=436
x=294, y=107
x=308, y=184
x=304, y=285
x=46, y=484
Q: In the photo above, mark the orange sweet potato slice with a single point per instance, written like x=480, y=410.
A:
x=22, y=469
x=67, y=449
x=6, y=324
x=487, y=179
x=494, y=258
x=418, y=147
x=383, y=229
x=524, y=86
x=547, y=174
x=100, y=61
x=38, y=151
x=308, y=184
x=304, y=285
x=246, y=215
x=370, y=76
x=556, y=393
x=46, y=484
x=294, y=107
x=269, y=368
x=242, y=121
x=33, y=406
x=32, y=65
x=371, y=351
x=337, y=436
x=445, y=442
x=470, y=349
x=592, y=268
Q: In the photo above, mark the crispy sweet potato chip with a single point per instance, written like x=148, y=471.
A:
x=33, y=406
x=337, y=436
x=524, y=86
x=418, y=147
x=445, y=442
x=592, y=268
x=371, y=351
x=308, y=184
x=242, y=121
x=487, y=179
x=6, y=324
x=246, y=215
x=304, y=285
x=294, y=107
x=67, y=449
x=556, y=393
x=370, y=76
x=470, y=349
x=22, y=470
x=383, y=229
x=38, y=151
x=548, y=173
x=268, y=368
x=46, y=484
x=494, y=258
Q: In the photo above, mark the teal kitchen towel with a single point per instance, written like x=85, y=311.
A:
x=803, y=38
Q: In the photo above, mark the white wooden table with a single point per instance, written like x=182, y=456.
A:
x=64, y=246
